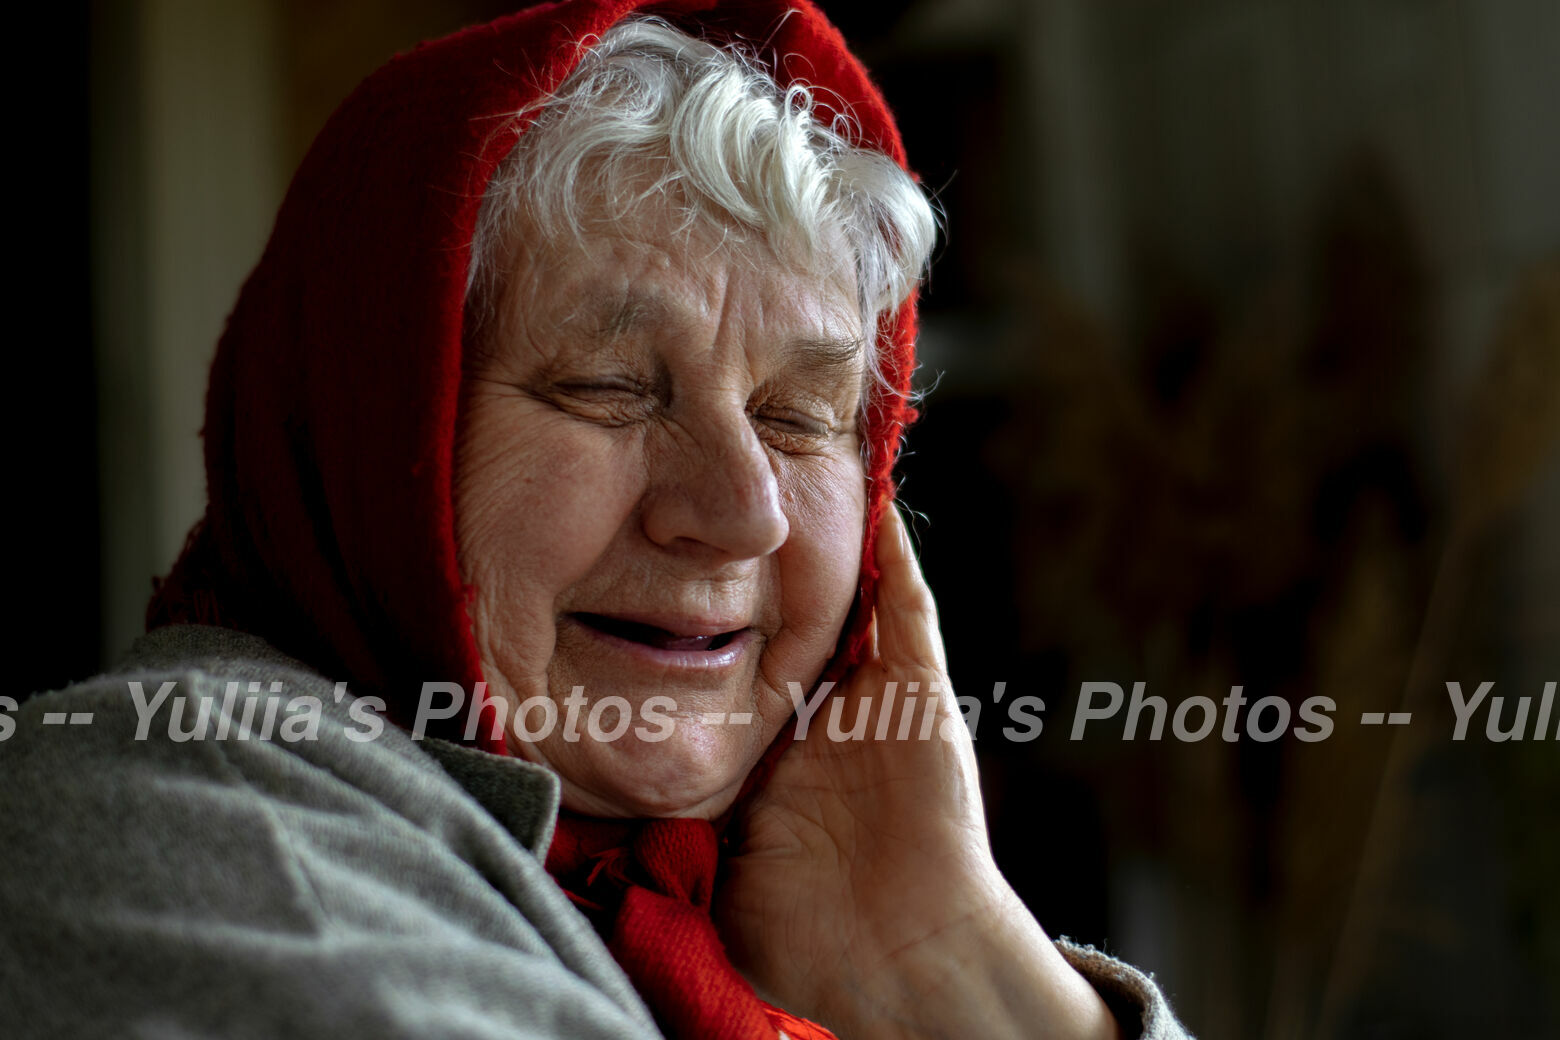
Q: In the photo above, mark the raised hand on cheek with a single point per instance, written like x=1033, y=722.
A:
x=864, y=894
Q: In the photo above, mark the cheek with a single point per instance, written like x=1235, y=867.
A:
x=820, y=564
x=537, y=501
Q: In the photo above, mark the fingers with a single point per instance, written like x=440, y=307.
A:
x=904, y=613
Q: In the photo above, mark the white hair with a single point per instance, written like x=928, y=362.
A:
x=720, y=137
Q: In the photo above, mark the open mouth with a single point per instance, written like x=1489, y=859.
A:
x=650, y=635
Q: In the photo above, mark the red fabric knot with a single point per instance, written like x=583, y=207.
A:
x=679, y=858
x=614, y=864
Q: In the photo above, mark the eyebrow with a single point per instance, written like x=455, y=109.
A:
x=828, y=355
x=614, y=316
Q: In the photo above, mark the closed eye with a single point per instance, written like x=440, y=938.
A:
x=610, y=402
x=795, y=432
x=600, y=388
x=792, y=421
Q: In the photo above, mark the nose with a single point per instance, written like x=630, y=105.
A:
x=713, y=485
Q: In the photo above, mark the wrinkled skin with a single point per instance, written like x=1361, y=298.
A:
x=661, y=430
x=659, y=493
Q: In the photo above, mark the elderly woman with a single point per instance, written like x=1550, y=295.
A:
x=560, y=413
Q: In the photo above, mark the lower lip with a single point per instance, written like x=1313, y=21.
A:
x=678, y=660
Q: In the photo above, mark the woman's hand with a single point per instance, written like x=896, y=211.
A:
x=864, y=894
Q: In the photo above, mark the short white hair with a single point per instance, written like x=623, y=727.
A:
x=725, y=141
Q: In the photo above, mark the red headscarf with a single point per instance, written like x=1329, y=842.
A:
x=331, y=420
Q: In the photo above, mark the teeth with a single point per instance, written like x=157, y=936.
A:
x=671, y=642
x=659, y=638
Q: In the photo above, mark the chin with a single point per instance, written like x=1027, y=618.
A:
x=695, y=772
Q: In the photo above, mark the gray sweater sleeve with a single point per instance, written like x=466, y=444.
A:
x=327, y=887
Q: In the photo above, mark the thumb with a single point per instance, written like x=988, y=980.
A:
x=905, y=614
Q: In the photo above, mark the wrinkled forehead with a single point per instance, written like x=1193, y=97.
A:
x=653, y=272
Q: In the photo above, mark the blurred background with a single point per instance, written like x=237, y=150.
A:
x=1242, y=353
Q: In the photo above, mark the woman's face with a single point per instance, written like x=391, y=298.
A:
x=659, y=493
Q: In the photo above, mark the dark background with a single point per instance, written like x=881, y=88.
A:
x=1243, y=351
